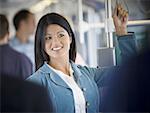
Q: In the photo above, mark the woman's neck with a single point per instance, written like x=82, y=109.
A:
x=61, y=64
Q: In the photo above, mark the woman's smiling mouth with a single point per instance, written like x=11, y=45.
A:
x=56, y=48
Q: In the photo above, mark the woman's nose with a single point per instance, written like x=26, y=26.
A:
x=55, y=40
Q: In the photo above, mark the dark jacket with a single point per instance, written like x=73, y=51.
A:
x=129, y=89
x=14, y=63
x=21, y=96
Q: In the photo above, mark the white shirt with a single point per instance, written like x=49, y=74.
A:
x=78, y=96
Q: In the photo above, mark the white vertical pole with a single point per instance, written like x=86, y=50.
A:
x=110, y=17
x=80, y=15
x=106, y=24
x=109, y=27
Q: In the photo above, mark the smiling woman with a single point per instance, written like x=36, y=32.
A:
x=57, y=34
x=73, y=88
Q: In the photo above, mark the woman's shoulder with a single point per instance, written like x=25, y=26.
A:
x=86, y=70
x=37, y=77
x=37, y=74
x=78, y=67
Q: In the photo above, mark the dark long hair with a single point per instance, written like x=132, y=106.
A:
x=51, y=18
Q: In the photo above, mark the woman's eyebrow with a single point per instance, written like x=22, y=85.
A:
x=60, y=32
x=49, y=34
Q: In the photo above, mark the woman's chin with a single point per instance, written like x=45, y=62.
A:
x=59, y=55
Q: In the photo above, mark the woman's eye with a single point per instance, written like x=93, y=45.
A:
x=48, y=38
x=61, y=35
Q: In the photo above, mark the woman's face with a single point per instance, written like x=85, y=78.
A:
x=57, y=41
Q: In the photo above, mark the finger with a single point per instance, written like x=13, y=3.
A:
x=126, y=17
x=122, y=9
x=120, y=12
x=119, y=7
x=125, y=14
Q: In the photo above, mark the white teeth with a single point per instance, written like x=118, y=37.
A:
x=57, y=48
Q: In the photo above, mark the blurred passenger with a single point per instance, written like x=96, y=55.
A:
x=22, y=96
x=11, y=61
x=129, y=89
x=24, y=23
x=73, y=88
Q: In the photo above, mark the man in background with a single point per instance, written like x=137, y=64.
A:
x=11, y=62
x=24, y=23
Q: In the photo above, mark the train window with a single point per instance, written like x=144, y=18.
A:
x=91, y=21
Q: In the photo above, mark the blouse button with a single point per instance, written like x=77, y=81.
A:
x=84, y=89
x=87, y=104
x=78, y=66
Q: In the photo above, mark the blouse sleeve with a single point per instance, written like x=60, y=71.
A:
x=127, y=45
